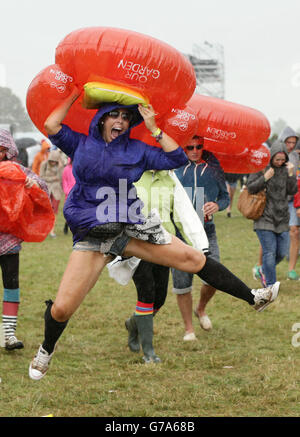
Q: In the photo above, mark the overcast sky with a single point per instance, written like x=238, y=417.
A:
x=260, y=38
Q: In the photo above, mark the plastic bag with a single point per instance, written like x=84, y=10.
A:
x=122, y=270
x=24, y=212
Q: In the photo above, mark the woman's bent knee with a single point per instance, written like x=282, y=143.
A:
x=61, y=312
x=195, y=261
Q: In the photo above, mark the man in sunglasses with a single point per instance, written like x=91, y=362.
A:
x=202, y=171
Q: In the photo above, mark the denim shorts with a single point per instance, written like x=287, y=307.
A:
x=112, y=238
x=294, y=219
x=183, y=281
x=113, y=246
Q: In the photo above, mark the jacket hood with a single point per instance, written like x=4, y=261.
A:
x=107, y=107
x=286, y=133
x=277, y=147
x=6, y=140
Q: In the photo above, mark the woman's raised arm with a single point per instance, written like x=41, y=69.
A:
x=166, y=142
x=53, y=123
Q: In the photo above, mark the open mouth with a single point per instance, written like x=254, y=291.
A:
x=115, y=132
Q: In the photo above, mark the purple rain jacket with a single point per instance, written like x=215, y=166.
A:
x=105, y=173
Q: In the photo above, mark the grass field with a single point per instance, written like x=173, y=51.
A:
x=246, y=366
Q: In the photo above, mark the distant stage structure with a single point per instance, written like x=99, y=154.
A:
x=208, y=62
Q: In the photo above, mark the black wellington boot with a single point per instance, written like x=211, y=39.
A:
x=145, y=331
x=133, y=339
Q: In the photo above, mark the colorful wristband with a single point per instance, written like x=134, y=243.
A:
x=159, y=137
x=156, y=133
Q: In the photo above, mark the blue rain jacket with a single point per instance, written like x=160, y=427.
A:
x=105, y=173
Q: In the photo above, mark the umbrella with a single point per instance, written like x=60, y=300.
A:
x=23, y=143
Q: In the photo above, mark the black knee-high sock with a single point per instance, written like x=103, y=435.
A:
x=219, y=277
x=53, y=329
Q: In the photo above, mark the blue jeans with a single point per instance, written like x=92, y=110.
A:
x=274, y=248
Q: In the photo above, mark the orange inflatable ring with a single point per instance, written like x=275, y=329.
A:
x=250, y=160
x=120, y=57
x=234, y=133
x=234, y=125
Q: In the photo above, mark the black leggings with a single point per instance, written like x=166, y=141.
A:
x=219, y=277
x=151, y=281
x=10, y=270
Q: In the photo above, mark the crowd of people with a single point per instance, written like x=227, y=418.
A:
x=174, y=237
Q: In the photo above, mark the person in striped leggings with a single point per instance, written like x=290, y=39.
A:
x=10, y=246
x=11, y=297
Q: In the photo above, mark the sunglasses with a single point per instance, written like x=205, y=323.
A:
x=198, y=147
x=126, y=116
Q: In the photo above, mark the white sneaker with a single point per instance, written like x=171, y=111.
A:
x=190, y=337
x=204, y=321
x=264, y=296
x=40, y=364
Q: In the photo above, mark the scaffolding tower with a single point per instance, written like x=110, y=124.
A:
x=208, y=62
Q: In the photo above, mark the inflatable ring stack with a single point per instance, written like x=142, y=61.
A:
x=118, y=65
x=112, y=58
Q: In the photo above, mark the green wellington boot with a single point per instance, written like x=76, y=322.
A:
x=133, y=336
x=145, y=331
